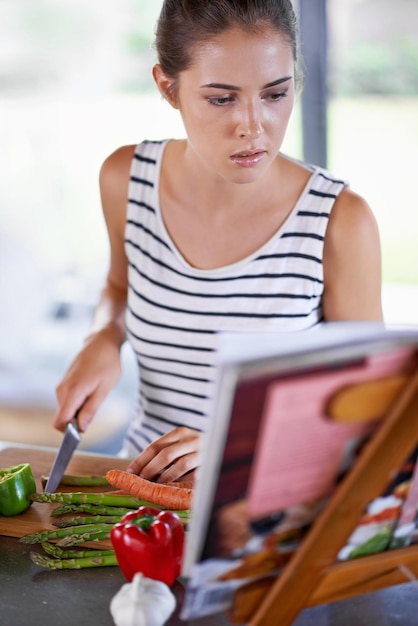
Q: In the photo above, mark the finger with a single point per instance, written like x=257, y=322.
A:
x=173, y=439
x=167, y=457
x=89, y=408
x=136, y=466
x=82, y=404
x=155, y=459
x=188, y=477
x=67, y=410
x=185, y=465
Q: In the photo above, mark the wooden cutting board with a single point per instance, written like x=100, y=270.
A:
x=38, y=516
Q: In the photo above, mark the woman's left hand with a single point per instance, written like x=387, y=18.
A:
x=172, y=457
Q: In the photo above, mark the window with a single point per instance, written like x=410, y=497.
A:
x=373, y=130
x=75, y=83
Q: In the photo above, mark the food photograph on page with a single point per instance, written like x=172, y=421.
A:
x=390, y=521
x=290, y=442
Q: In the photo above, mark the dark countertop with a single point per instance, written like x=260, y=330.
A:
x=32, y=595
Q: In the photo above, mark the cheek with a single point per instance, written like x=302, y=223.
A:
x=280, y=118
x=206, y=128
x=199, y=122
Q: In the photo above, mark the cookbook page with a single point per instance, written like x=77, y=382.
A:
x=282, y=458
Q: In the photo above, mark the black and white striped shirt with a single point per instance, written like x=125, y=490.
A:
x=175, y=310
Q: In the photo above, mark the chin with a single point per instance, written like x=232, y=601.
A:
x=246, y=177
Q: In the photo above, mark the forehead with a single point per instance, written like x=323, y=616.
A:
x=240, y=51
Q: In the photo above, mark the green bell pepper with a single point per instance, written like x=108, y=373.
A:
x=17, y=483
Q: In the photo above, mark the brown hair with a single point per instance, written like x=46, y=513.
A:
x=184, y=24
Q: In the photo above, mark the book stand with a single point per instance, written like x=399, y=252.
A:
x=313, y=576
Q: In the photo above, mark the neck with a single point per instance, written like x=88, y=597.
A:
x=215, y=195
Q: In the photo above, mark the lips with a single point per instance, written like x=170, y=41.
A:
x=246, y=153
x=248, y=158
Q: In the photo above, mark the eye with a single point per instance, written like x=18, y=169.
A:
x=277, y=96
x=220, y=100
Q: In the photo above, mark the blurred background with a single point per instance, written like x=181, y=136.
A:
x=75, y=83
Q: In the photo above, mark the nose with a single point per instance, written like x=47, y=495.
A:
x=250, y=121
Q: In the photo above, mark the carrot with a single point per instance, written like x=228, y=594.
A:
x=167, y=496
x=187, y=484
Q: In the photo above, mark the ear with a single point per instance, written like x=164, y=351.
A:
x=165, y=85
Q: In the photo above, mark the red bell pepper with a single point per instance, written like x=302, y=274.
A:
x=150, y=541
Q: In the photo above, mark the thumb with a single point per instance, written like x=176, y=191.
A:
x=88, y=410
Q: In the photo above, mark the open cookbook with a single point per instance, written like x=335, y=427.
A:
x=290, y=415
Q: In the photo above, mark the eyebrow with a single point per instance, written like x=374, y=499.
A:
x=279, y=81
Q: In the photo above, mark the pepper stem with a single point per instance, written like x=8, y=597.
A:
x=143, y=521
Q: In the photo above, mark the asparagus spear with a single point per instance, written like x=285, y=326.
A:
x=95, y=509
x=100, y=499
x=73, y=540
x=61, y=533
x=58, y=553
x=74, y=563
x=78, y=520
x=73, y=480
x=79, y=497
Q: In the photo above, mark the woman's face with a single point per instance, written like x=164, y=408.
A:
x=236, y=100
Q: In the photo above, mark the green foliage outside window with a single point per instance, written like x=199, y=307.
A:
x=377, y=69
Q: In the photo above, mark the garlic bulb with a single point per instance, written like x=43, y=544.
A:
x=143, y=602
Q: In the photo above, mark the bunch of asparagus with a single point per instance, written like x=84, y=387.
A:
x=82, y=517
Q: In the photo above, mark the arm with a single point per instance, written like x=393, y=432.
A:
x=352, y=262
x=96, y=368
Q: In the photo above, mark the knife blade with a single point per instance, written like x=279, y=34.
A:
x=71, y=439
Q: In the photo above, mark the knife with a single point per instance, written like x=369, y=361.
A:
x=69, y=443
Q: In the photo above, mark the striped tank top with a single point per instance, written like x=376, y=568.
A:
x=175, y=311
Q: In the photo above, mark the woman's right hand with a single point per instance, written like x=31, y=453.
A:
x=89, y=379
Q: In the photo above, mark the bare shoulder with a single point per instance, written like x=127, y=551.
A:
x=115, y=170
x=114, y=181
x=351, y=216
x=352, y=261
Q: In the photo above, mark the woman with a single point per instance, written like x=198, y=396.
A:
x=221, y=230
